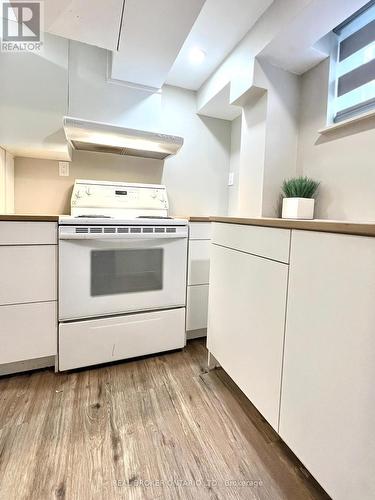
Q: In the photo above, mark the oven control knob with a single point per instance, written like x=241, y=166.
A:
x=154, y=194
x=78, y=194
x=88, y=191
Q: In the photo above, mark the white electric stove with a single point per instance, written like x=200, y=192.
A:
x=122, y=274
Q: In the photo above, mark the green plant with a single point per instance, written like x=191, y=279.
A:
x=299, y=187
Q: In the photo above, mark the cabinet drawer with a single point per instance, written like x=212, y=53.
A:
x=85, y=343
x=28, y=233
x=271, y=243
x=28, y=331
x=27, y=274
x=197, y=307
x=200, y=230
x=199, y=262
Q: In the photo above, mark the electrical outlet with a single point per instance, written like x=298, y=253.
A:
x=64, y=168
x=231, y=179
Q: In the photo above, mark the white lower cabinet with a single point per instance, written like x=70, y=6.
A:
x=197, y=307
x=91, y=342
x=27, y=331
x=328, y=397
x=28, y=273
x=199, y=262
x=28, y=295
x=246, y=320
x=198, y=279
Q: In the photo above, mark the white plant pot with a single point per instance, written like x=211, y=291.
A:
x=298, y=208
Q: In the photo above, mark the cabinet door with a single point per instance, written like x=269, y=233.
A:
x=27, y=331
x=196, y=307
x=28, y=233
x=200, y=230
x=199, y=262
x=246, y=324
x=328, y=399
x=27, y=274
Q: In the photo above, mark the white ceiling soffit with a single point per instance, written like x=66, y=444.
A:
x=219, y=106
x=152, y=35
x=94, y=22
x=299, y=47
x=219, y=27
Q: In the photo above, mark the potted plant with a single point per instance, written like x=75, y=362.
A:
x=298, y=201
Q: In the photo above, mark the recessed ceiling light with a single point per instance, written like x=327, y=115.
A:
x=197, y=55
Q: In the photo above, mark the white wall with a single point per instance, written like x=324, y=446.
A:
x=33, y=99
x=93, y=97
x=237, y=67
x=343, y=162
x=268, y=144
x=283, y=104
x=40, y=190
x=252, y=158
x=235, y=154
x=196, y=177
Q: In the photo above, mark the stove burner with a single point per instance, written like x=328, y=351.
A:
x=93, y=217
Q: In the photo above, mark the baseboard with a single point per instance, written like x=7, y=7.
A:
x=196, y=334
x=27, y=365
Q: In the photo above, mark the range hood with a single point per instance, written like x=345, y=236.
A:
x=84, y=135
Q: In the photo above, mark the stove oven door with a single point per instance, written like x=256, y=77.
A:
x=99, y=277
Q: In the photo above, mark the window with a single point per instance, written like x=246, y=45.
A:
x=354, y=67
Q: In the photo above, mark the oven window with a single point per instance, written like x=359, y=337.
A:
x=126, y=271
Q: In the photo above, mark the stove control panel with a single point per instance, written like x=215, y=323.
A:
x=118, y=197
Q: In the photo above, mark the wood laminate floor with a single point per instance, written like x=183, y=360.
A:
x=153, y=428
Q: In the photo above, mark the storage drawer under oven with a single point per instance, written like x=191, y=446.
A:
x=92, y=342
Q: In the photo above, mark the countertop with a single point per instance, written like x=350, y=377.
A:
x=194, y=218
x=328, y=226
x=26, y=218
x=322, y=225
x=55, y=218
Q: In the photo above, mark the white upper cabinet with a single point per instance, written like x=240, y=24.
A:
x=94, y=22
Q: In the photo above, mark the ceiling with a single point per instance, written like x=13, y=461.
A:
x=304, y=42
x=95, y=22
x=220, y=25
x=152, y=35
x=151, y=40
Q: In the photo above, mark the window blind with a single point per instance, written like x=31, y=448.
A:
x=355, y=66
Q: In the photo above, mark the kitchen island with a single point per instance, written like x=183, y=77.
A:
x=292, y=321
